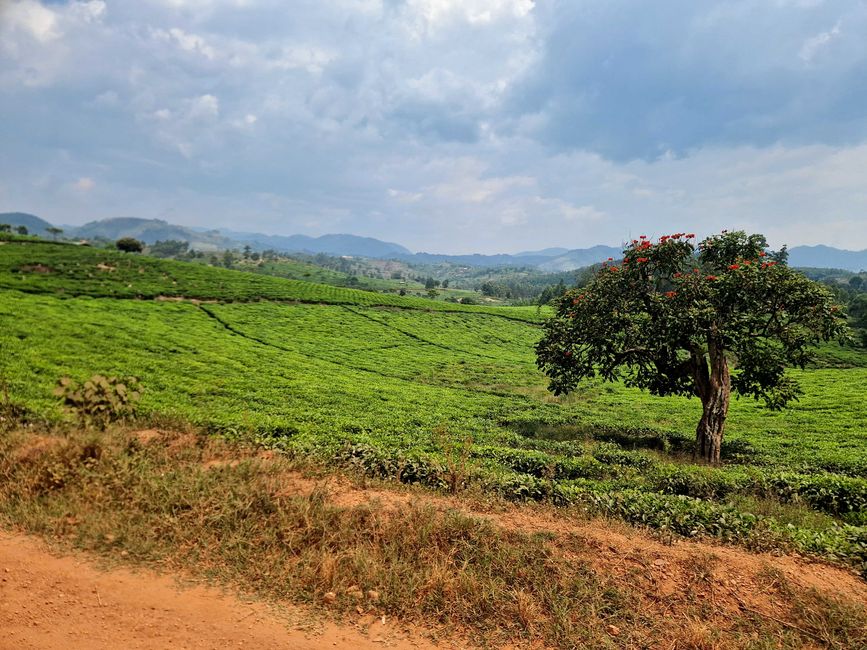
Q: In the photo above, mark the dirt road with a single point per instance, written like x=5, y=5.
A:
x=56, y=603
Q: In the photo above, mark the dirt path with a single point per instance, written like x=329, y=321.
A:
x=55, y=603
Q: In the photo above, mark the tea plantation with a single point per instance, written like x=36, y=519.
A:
x=432, y=392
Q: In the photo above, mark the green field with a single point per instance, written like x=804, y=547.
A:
x=394, y=386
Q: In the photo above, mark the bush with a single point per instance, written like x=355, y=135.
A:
x=100, y=400
x=129, y=245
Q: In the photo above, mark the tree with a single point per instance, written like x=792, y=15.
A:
x=675, y=320
x=129, y=245
x=22, y=230
x=54, y=231
x=169, y=248
x=858, y=312
x=5, y=227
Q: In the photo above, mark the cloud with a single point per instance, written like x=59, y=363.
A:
x=479, y=125
x=204, y=107
x=647, y=80
x=816, y=43
x=33, y=19
x=84, y=184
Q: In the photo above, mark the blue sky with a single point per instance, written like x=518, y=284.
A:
x=446, y=125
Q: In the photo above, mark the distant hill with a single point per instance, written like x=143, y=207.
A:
x=551, y=260
x=329, y=244
x=475, y=260
x=827, y=257
x=34, y=225
x=579, y=257
x=150, y=231
x=545, y=252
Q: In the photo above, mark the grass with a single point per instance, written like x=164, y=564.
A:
x=221, y=511
x=373, y=380
x=71, y=270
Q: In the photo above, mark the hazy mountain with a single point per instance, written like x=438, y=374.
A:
x=329, y=244
x=474, y=260
x=545, y=252
x=554, y=259
x=579, y=257
x=150, y=231
x=34, y=225
x=827, y=257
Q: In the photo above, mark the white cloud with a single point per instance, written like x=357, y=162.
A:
x=204, y=107
x=185, y=41
x=815, y=44
x=448, y=125
x=84, y=184
x=33, y=18
x=435, y=13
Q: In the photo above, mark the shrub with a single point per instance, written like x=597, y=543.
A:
x=129, y=245
x=100, y=400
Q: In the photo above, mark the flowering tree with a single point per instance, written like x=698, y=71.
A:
x=674, y=318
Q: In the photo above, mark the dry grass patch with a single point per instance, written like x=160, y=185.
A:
x=231, y=513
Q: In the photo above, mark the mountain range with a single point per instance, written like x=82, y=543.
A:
x=548, y=260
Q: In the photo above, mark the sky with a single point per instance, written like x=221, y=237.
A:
x=449, y=126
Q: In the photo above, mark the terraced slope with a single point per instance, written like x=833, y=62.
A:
x=430, y=392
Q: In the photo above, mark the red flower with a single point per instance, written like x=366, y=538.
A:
x=678, y=274
x=641, y=260
x=690, y=236
x=711, y=277
x=734, y=267
x=614, y=268
x=568, y=353
x=670, y=294
x=634, y=241
x=610, y=259
x=642, y=236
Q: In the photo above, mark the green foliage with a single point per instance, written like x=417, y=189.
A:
x=169, y=248
x=100, y=400
x=396, y=390
x=129, y=245
x=675, y=320
x=651, y=319
x=67, y=270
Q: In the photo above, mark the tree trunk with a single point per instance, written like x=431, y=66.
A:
x=713, y=385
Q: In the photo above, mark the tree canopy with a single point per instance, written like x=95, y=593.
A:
x=129, y=245
x=674, y=318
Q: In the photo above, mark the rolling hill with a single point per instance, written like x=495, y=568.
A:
x=546, y=260
x=34, y=224
x=443, y=396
